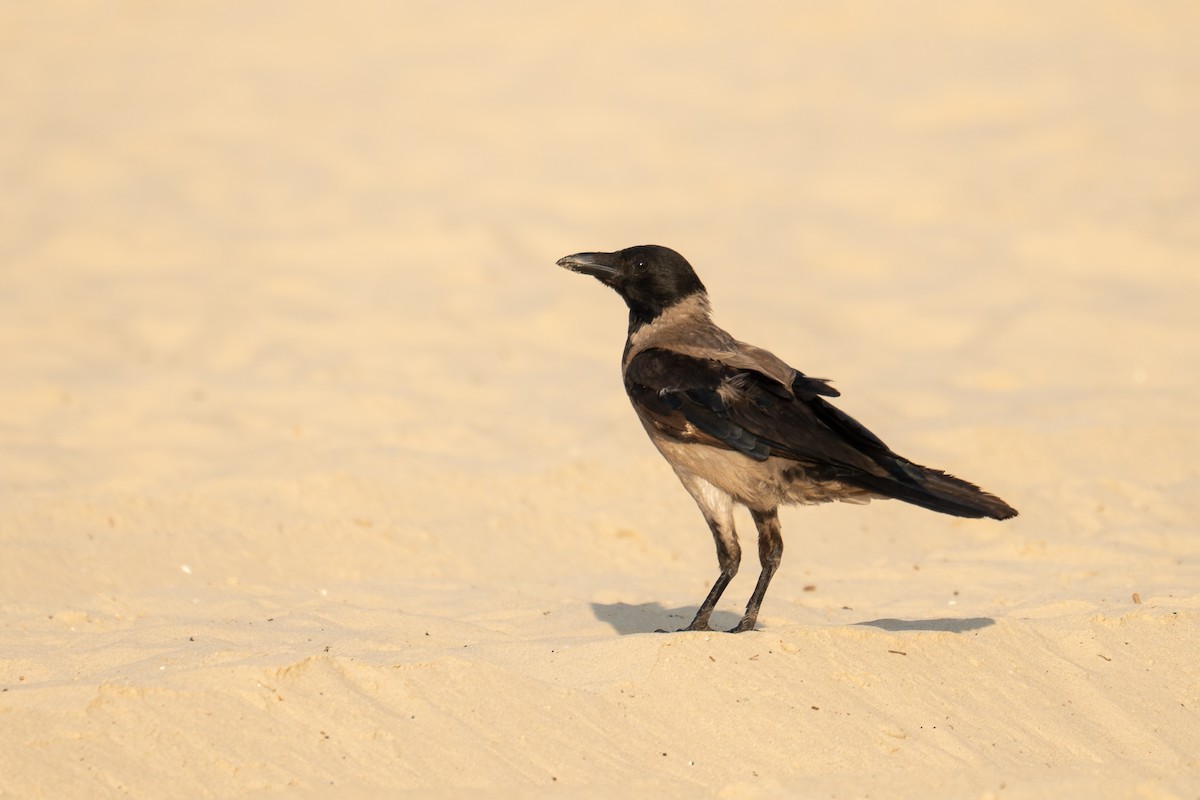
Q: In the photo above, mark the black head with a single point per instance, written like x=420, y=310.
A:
x=650, y=278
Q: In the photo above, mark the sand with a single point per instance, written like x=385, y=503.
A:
x=317, y=478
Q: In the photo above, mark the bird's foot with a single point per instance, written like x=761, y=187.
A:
x=747, y=624
x=696, y=625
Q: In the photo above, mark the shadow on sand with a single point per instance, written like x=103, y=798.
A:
x=650, y=617
x=626, y=618
x=946, y=624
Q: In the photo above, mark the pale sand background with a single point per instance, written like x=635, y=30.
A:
x=317, y=479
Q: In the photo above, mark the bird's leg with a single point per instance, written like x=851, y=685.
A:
x=717, y=508
x=770, y=551
x=729, y=556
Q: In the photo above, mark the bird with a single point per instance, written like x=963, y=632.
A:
x=739, y=426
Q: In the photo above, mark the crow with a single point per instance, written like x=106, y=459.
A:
x=738, y=425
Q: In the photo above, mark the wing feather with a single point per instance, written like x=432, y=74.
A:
x=727, y=403
x=731, y=405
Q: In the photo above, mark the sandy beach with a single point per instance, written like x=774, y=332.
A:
x=318, y=480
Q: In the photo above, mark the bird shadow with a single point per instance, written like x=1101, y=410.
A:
x=627, y=618
x=944, y=624
x=630, y=618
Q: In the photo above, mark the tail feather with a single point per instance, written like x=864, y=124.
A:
x=937, y=491
x=912, y=483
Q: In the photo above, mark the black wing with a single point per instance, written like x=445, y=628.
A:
x=705, y=400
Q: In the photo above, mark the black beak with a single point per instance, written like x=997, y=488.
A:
x=605, y=267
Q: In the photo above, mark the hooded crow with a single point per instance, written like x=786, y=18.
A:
x=738, y=425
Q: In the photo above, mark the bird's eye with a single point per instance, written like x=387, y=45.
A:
x=639, y=265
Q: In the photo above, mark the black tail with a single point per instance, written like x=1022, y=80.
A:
x=935, y=490
x=912, y=483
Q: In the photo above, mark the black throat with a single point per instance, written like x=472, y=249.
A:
x=640, y=319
